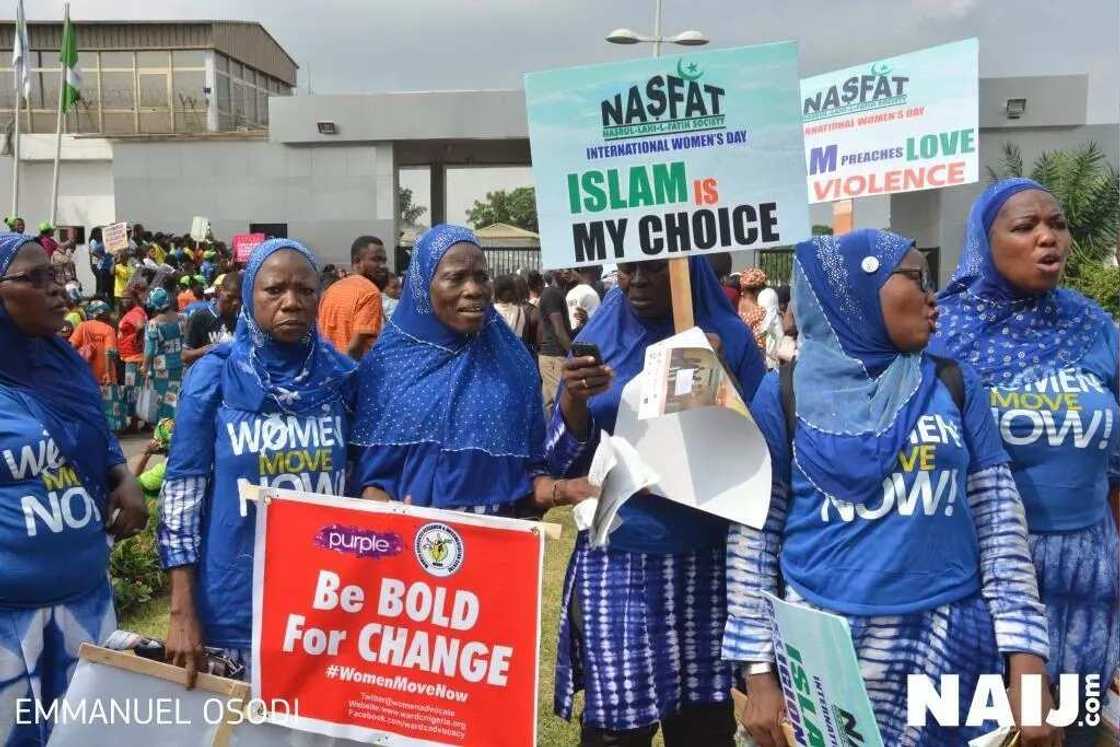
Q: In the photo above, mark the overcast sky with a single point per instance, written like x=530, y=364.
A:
x=355, y=46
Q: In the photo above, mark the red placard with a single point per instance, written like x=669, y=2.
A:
x=404, y=625
x=244, y=244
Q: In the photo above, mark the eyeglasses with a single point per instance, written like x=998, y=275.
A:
x=40, y=277
x=919, y=276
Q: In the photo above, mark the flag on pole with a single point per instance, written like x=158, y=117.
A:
x=68, y=55
x=20, y=52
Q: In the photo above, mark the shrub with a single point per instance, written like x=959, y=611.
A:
x=134, y=567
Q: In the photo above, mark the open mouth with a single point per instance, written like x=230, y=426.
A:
x=474, y=310
x=1050, y=263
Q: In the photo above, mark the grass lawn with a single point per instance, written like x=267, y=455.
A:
x=151, y=619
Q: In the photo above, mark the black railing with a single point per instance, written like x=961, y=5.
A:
x=500, y=260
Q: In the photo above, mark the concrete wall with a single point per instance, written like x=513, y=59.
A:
x=439, y=115
x=85, y=182
x=326, y=195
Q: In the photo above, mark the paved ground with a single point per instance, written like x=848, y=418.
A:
x=134, y=446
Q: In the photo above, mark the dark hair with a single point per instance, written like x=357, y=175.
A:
x=231, y=281
x=535, y=281
x=783, y=295
x=360, y=245
x=505, y=289
x=95, y=234
x=720, y=262
x=590, y=273
x=522, y=288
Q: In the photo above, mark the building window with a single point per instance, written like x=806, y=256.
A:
x=189, y=59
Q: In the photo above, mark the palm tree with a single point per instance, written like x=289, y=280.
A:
x=1087, y=187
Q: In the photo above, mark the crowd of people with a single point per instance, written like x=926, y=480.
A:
x=946, y=468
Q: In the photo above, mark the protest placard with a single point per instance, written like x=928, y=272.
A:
x=826, y=700
x=244, y=244
x=115, y=236
x=403, y=625
x=200, y=228
x=116, y=698
x=900, y=124
x=656, y=158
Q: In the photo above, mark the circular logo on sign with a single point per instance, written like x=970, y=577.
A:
x=870, y=264
x=439, y=548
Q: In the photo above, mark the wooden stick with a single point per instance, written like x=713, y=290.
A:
x=843, y=217
x=139, y=665
x=680, y=284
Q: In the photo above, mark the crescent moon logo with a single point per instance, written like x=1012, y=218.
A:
x=880, y=69
x=693, y=75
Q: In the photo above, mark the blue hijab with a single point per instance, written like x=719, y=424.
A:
x=424, y=383
x=299, y=377
x=1011, y=339
x=858, y=397
x=57, y=387
x=623, y=336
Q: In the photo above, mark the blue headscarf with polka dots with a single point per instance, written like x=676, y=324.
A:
x=1009, y=338
x=426, y=383
x=858, y=397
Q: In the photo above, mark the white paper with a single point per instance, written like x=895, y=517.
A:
x=714, y=459
x=627, y=475
x=992, y=739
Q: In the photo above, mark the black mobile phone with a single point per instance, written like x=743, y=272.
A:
x=587, y=350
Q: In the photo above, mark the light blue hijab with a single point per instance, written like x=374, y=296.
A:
x=858, y=397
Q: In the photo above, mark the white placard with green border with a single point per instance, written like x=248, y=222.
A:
x=661, y=158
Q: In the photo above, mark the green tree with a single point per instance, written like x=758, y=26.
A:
x=1088, y=189
x=409, y=212
x=517, y=207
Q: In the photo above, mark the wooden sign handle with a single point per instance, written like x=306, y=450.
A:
x=843, y=217
x=680, y=284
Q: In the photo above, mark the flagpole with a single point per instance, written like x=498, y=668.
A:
x=15, y=149
x=58, y=131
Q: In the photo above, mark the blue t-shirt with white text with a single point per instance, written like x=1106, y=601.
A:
x=913, y=547
x=53, y=545
x=1063, y=436
x=269, y=448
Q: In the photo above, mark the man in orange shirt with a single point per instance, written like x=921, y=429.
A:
x=350, y=310
x=96, y=340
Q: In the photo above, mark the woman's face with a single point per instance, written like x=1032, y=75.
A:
x=34, y=299
x=1030, y=241
x=461, y=289
x=286, y=296
x=646, y=287
x=909, y=310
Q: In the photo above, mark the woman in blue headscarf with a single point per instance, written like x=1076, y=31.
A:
x=275, y=397
x=63, y=484
x=642, y=620
x=163, y=352
x=892, y=503
x=1048, y=357
x=449, y=408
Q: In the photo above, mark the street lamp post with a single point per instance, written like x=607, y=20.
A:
x=679, y=281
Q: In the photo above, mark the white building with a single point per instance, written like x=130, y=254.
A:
x=324, y=168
